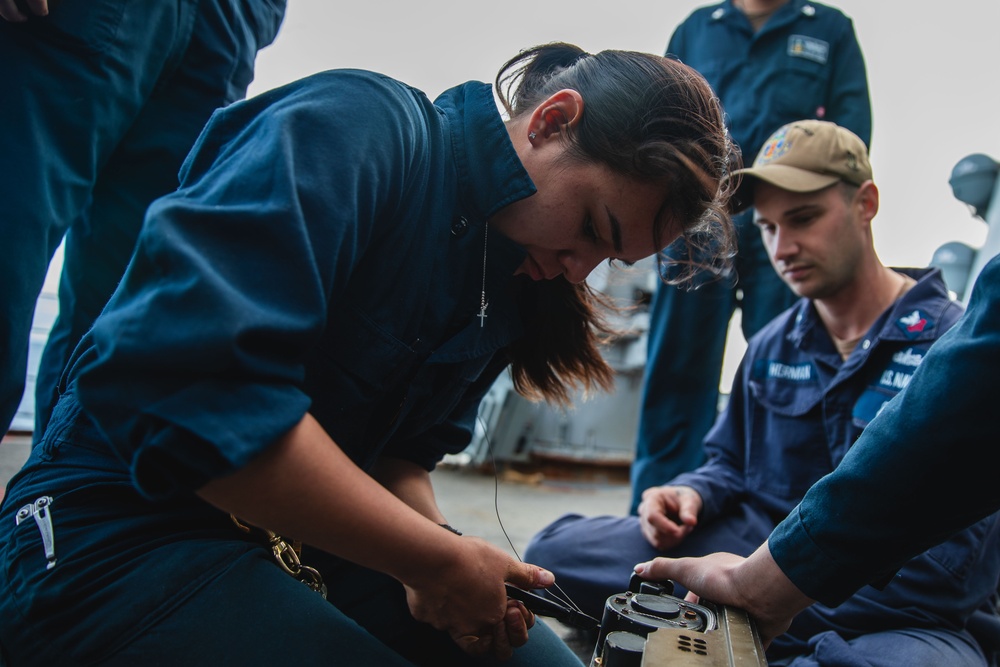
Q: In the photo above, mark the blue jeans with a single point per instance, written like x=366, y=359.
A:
x=102, y=100
x=687, y=340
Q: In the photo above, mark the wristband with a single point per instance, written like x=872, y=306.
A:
x=448, y=527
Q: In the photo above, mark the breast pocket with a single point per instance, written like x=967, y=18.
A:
x=788, y=442
x=799, y=89
x=88, y=25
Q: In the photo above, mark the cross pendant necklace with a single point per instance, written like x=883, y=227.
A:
x=483, y=303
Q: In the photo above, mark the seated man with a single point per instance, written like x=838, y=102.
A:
x=809, y=383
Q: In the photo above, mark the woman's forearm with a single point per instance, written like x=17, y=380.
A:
x=304, y=487
x=411, y=484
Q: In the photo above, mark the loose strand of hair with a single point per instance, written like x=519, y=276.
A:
x=570, y=327
x=520, y=78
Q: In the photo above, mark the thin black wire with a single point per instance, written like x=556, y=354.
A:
x=565, y=599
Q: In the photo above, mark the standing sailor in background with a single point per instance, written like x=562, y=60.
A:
x=771, y=62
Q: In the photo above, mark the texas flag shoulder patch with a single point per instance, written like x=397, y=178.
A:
x=914, y=324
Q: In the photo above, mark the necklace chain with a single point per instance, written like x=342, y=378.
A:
x=483, y=303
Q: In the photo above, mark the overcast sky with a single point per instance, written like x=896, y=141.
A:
x=933, y=77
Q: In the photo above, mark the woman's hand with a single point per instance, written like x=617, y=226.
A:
x=667, y=514
x=466, y=598
x=304, y=487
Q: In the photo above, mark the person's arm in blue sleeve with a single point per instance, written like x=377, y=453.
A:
x=232, y=283
x=849, y=103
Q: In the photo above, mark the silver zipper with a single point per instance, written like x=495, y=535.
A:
x=43, y=519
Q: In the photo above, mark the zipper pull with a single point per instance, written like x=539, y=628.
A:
x=43, y=519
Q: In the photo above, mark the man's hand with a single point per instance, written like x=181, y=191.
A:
x=755, y=584
x=16, y=11
x=467, y=599
x=667, y=514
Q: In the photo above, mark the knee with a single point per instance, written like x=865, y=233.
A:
x=550, y=542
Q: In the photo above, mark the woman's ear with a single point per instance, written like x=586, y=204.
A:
x=550, y=119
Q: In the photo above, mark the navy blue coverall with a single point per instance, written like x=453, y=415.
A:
x=795, y=411
x=101, y=102
x=804, y=63
x=324, y=253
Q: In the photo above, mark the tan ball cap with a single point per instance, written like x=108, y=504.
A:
x=804, y=156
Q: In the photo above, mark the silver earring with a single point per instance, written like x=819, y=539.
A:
x=531, y=136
